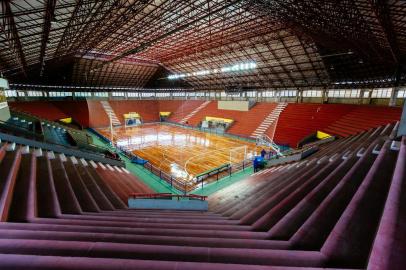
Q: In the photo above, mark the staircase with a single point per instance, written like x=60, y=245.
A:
x=269, y=120
x=107, y=108
x=190, y=115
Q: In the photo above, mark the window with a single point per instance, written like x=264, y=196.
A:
x=164, y=94
x=132, y=94
x=401, y=94
x=268, y=93
x=348, y=93
x=10, y=93
x=381, y=93
x=251, y=93
x=83, y=94
x=101, y=94
x=147, y=94
x=312, y=93
x=117, y=94
x=20, y=93
x=34, y=93
x=178, y=94
x=288, y=93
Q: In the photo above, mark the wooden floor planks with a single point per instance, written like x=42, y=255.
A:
x=181, y=152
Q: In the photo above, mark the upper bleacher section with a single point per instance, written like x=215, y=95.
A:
x=34, y=131
x=299, y=120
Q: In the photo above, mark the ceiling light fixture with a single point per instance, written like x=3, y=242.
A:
x=234, y=68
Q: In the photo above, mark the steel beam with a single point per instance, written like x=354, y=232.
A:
x=381, y=11
x=48, y=17
x=9, y=29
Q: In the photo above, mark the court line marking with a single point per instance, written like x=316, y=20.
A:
x=202, y=154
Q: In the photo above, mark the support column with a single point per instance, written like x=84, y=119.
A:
x=402, y=124
x=299, y=96
x=4, y=109
x=324, y=96
x=392, y=101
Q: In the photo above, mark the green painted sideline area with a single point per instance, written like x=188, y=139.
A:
x=161, y=186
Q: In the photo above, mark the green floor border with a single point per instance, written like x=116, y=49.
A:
x=161, y=186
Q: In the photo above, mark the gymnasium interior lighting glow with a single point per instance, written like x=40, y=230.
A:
x=225, y=69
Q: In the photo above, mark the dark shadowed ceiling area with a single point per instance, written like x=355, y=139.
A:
x=294, y=43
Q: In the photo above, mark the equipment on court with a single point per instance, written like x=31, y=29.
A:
x=132, y=119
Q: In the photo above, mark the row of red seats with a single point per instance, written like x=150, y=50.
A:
x=43, y=109
x=300, y=120
x=362, y=118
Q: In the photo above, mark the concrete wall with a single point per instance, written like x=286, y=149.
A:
x=194, y=205
x=234, y=105
x=402, y=125
x=4, y=109
x=4, y=114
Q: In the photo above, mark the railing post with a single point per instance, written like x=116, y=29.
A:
x=171, y=181
x=160, y=174
x=230, y=171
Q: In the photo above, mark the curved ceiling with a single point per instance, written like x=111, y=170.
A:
x=295, y=43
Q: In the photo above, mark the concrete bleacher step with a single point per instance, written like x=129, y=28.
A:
x=282, y=207
x=47, y=205
x=163, y=253
x=21, y=207
x=110, y=112
x=289, y=224
x=195, y=111
x=85, y=199
x=357, y=226
x=322, y=212
x=315, y=230
x=8, y=178
x=389, y=245
x=269, y=120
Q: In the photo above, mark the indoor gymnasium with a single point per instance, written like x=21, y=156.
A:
x=202, y=135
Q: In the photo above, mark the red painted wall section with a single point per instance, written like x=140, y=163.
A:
x=97, y=115
x=42, y=109
x=147, y=109
x=78, y=110
x=179, y=108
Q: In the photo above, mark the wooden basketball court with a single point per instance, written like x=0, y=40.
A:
x=180, y=152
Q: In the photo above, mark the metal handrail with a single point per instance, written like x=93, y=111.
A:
x=40, y=119
x=41, y=138
x=166, y=195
